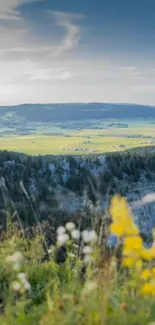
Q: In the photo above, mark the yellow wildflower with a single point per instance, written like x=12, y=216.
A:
x=148, y=289
x=148, y=254
x=153, y=271
x=117, y=229
x=132, y=229
x=138, y=265
x=122, y=217
x=145, y=275
x=128, y=262
x=152, y=251
x=133, y=242
x=127, y=252
x=119, y=208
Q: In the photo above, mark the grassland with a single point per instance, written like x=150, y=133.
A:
x=82, y=140
x=93, y=287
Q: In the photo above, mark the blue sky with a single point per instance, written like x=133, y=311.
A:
x=75, y=51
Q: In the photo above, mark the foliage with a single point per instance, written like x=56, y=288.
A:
x=40, y=290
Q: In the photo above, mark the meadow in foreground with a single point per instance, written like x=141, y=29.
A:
x=78, y=282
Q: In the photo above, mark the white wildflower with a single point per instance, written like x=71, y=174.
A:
x=27, y=286
x=87, y=250
x=15, y=260
x=85, y=236
x=70, y=226
x=16, y=266
x=61, y=230
x=87, y=259
x=89, y=236
x=17, y=256
x=16, y=286
x=93, y=236
x=75, y=234
x=89, y=287
x=75, y=246
x=51, y=249
x=22, y=276
x=62, y=239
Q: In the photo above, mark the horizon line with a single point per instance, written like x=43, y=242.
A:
x=79, y=103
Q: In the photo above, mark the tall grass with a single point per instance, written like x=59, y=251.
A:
x=79, y=281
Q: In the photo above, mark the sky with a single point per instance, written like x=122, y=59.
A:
x=54, y=51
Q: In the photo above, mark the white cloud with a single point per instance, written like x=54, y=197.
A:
x=50, y=74
x=65, y=75
x=128, y=68
x=36, y=70
x=72, y=37
x=26, y=62
x=16, y=36
x=9, y=8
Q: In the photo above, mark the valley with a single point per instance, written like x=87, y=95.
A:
x=83, y=137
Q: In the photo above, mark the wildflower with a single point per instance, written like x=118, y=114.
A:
x=148, y=289
x=145, y=275
x=93, y=236
x=148, y=254
x=62, y=239
x=27, y=286
x=61, y=230
x=16, y=286
x=132, y=242
x=21, y=276
x=89, y=236
x=122, y=218
x=85, y=236
x=153, y=271
x=132, y=229
x=128, y=262
x=75, y=234
x=89, y=287
x=87, y=250
x=15, y=260
x=120, y=210
x=138, y=265
x=51, y=249
x=87, y=259
x=112, y=241
x=70, y=226
x=117, y=229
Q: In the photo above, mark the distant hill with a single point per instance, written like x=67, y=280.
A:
x=77, y=111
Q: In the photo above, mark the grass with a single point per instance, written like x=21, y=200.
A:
x=39, y=291
x=101, y=140
x=55, y=144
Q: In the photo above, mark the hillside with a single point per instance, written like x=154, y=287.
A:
x=76, y=111
x=56, y=189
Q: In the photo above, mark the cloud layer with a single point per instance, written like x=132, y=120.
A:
x=45, y=57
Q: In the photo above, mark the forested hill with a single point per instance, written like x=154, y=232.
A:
x=61, y=188
x=77, y=111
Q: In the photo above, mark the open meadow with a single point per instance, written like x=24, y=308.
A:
x=94, y=137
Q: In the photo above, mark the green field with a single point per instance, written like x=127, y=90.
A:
x=83, y=141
